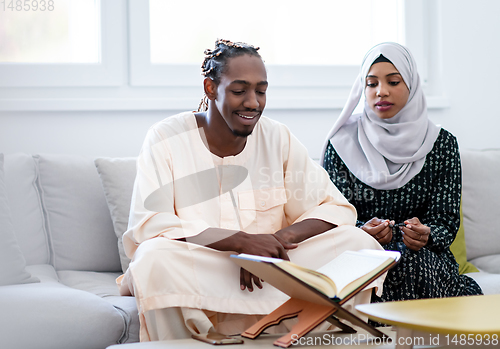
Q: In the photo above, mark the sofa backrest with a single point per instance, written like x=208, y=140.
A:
x=61, y=216
x=60, y=212
x=480, y=201
x=27, y=217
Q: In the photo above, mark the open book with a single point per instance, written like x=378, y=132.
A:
x=347, y=274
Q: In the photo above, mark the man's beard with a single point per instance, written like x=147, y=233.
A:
x=241, y=134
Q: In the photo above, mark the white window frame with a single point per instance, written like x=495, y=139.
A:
x=126, y=80
x=291, y=87
x=145, y=73
x=106, y=73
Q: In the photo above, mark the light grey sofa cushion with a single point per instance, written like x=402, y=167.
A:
x=490, y=264
x=480, y=195
x=104, y=285
x=98, y=283
x=489, y=282
x=76, y=214
x=128, y=307
x=44, y=272
x=51, y=315
x=21, y=180
x=117, y=179
x=12, y=262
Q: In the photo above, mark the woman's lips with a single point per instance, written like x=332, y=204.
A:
x=383, y=106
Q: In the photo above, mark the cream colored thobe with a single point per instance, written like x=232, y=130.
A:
x=181, y=189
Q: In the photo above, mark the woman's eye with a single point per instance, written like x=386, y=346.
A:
x=394, y=83
x=371, y=84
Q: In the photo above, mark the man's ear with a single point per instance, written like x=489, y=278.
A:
x=210, y=88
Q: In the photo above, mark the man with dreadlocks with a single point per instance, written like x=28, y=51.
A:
x=227, y=180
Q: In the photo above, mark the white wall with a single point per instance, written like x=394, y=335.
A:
x=468, y=44
x=471, y=70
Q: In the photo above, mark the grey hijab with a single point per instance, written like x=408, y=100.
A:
x=385, y=154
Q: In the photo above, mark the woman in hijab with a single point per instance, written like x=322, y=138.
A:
x=403, y=175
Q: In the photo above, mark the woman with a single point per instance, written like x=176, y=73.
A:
x=403, y=175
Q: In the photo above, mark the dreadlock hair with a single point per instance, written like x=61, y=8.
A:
x=215, y=61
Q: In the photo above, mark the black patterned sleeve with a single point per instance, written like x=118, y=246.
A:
x=443, y=211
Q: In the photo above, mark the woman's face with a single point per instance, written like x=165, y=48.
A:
x=385, y=90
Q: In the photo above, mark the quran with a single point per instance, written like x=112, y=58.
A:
x=342, y=277
x=317, y=295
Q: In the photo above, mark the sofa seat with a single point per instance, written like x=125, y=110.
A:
x=103, y=284
x=50, y=314
x=489, y=282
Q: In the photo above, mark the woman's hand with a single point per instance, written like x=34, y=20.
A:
x=415, y=234
x=379, y=229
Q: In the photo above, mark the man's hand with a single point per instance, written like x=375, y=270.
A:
x=379, y=229
x=288, y=238
x=415, y=234
x=267, y=245
x=304, y=230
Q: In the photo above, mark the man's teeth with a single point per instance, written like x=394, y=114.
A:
x=246, y=117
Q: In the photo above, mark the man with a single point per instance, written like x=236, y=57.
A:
x=225, y=180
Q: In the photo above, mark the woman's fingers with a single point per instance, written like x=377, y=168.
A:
x=414, y=239
x=375, y=226
x=380, y=229
x=384, y=237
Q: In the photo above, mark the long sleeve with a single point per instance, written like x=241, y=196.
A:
x=152, y=212
x=182, y=189
x=310, y=193
x=433, y=196
x=442, y=213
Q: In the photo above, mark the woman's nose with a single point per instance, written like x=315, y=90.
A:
x=382, y=90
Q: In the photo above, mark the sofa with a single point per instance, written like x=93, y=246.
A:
x=61, y=221
x=59, y=257
x=480, y=206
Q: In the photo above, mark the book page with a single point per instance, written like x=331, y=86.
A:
x=350, y=266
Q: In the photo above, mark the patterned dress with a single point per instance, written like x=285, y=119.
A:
x=433, y=196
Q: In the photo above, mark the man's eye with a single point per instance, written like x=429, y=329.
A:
x=261, y=92
x=238, y=92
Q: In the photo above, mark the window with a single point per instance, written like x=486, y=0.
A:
x=60, y=43
x=146, y=54
x=316, y=32
x=305, y=44
x=59, y=31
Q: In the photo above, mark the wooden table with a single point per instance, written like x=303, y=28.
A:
x=472, y=321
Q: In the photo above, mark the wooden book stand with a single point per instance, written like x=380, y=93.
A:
x=309, y=316
x=308, y=304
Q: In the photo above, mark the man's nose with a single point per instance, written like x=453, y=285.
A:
x=251, y=101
